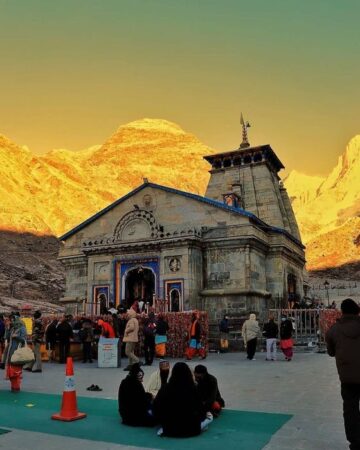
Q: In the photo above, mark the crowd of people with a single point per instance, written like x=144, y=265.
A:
x=179, y=402
x=58, y=334
x=251, y=332
x=182, y=403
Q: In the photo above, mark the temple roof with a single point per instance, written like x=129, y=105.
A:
x=266, y=150
x=196, y=197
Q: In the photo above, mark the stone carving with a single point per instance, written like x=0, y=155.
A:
x=136, y=225
x=148, y=201
x=219, y=279
x=135, y=230
x=101, y=267
x=174, y=264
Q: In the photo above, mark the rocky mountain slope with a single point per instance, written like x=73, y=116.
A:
x=29, y=272
x=53, y=193
x=328, y=210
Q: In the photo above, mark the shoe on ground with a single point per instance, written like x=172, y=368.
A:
x=37, y=371
x=253, y=359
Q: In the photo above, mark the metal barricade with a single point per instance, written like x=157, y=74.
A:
x=306, y=324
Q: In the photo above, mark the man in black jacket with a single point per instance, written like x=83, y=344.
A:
x=270, y=332
x=64, y=333
x=208, y=389
x=343, y=342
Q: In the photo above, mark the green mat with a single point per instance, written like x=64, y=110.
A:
x=2, y=431
x=233, y=430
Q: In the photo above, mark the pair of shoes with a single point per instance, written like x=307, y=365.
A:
x=94, y=387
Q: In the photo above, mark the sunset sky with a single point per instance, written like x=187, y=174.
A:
x=72, y=71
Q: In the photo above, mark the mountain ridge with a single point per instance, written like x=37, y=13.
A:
x=53, y=192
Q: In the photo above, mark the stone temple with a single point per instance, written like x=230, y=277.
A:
x=235, y=250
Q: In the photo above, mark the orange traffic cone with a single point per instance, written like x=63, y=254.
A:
x=69, y=411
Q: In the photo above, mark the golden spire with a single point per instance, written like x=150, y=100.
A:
x=245, y=125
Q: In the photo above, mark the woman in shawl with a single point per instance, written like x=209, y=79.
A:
x=178, y=407
x=16, y=337
x=250, y=332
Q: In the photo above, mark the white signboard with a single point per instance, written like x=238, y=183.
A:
x=108, y=352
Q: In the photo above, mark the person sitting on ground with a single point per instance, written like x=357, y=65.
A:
x=159, y=378
x=107, y=331
x=134, y=402
x=178, y=407
x=208, y=390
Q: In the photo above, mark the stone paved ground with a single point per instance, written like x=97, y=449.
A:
x=307, y=387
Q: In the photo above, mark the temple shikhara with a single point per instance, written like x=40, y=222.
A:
x=237, y=249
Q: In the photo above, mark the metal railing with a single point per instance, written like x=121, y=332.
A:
x=306, y=324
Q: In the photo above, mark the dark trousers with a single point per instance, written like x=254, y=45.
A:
x=251, y=348
x=351, y=397
x=87, y=351
x=149, y=349
x=64, y=349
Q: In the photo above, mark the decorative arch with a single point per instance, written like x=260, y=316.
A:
x=139, y=219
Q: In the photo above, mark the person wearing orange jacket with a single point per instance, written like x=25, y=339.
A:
x=107, y=331
x=195, y=346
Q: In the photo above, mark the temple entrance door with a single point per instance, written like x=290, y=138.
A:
x=139, y=285
x=174, y=300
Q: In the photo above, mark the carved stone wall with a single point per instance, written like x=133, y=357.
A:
x=76, y=276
